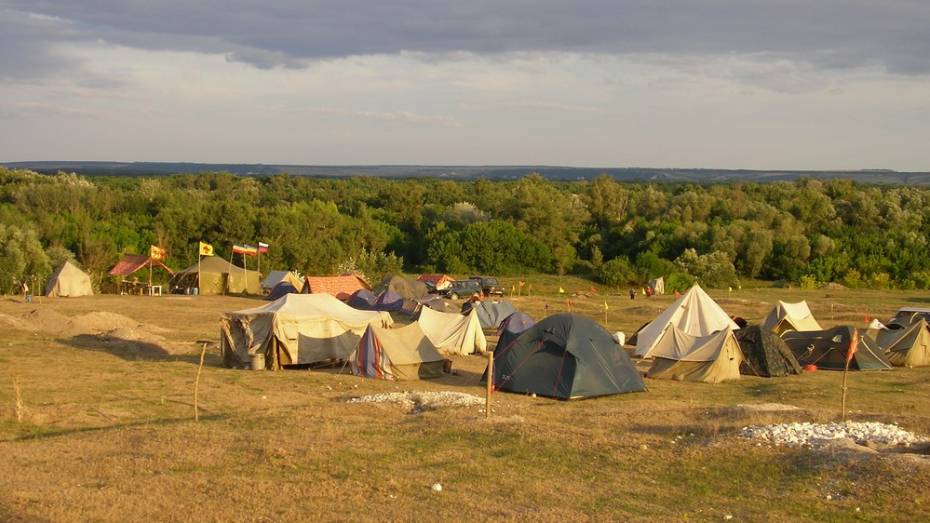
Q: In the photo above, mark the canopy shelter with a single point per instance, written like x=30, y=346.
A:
x=713, y=358
x=131, y=263
x=453, y=333
x=491, y=313
x=407, y=288
x=295, y=329
x=363, y=300
x=282, y=288
x=565, y=356
x=341, y=287
x=790, y=317
x=657, y=285
x=765, y=353
x=694, y=314
x=214, y=275
x=276, y=277
x=827, y=349
x=396, y=354
x=436, y=281
x=68, y=281
x=905, y=342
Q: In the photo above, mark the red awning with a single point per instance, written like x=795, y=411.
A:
x=133, y=262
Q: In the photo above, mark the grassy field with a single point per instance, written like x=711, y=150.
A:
x=102, y=428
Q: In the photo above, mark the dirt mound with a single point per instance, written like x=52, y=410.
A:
x=47, y=320
x=12, y=322
x=114, y=329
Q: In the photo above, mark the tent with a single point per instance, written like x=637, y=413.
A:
x=433, y=301
x=452, y=332
x=437, y=281
x=906, y=343
x=827, y=349
x=341, y=287
x=710, y=359
x=396, y=354
x=765, y=353
x=390, y=301
x=295, y=329
x=68, y=281
x=491, y=314
x=282, y=288
x=790, y=316
x=362, y=299
x=565, y=356
x=407, y=288
x=218, y=276
x=276, y=277
x=657, y=285
x=516, y=323
x=694, y=314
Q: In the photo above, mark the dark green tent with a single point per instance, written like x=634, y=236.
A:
x=565, y=356
x=765, y=353
x=827, y=349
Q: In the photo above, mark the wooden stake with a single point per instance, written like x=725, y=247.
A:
x=845, y=373
x=490, y=383
x=203, y=352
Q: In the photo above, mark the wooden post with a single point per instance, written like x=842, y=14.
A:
x=490, y=385
x=845, y=374
x=203, y=352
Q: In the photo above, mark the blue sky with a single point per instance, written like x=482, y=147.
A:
x=700, y=83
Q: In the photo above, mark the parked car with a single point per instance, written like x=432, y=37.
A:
x=461, y=289
x=489, y=286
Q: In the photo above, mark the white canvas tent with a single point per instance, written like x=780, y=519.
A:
x=276, y=277
x=790, y=316
x=710, y=359
x=452, y=332
x=69, y=281
x=694, y=313
x=658, y=285
x=296, y=329
x=396, y=354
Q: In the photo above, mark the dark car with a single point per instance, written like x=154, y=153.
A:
x=489, y=286
x=461, y=289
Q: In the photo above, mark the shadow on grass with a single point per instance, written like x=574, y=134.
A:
x=42, y=433
x=136, y=350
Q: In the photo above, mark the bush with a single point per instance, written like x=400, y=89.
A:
x=678, y=282
x=616, y=272
x=714, y=269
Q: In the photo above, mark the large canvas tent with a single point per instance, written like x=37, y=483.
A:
x=68, y=281
x=905, y=342
x=406, y=288
x=275, y=278
x=341, y=287
x=710, y=359
x=452, y=332
x=790, y=317
x=491, y=313
x=218, y=276
x=827, y=349
x=657, y=285
x=765, y=353
x=296, y=329
x=565, y=356
x=396, y=354
x=694, y=314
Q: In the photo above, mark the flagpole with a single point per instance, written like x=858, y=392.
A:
x=198, y=268
x=244, y=275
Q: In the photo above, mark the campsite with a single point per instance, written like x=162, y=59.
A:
x=105, y=386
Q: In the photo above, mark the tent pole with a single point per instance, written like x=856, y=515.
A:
x=490, y=385
x=198, y=270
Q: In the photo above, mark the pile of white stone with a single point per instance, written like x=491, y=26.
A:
x=423, y=400
x=813, y=434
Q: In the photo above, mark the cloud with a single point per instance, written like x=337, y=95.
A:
x=829, y=34
x=389, y=116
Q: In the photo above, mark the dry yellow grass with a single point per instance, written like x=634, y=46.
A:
x=108, y=431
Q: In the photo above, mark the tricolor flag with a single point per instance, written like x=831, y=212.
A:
x=247, y=250
x=262, y=248
x=206, y=249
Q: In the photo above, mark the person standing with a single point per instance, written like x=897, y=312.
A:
x=632, y=293
x=27, y=297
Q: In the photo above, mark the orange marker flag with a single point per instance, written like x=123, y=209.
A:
x=853, y=346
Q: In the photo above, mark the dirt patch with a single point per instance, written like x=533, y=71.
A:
x=764, y=407
x=48, y=320
x=13, y=322
x=116, y=330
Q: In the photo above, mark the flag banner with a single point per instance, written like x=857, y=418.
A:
x=248, y=250
x=605, y=305
x=157, y=253
x=561, y=290
x=206, y=249
x=262, y=247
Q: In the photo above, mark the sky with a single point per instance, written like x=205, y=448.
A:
x=756, y=84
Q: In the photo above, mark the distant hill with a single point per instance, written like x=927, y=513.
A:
x=632, y=174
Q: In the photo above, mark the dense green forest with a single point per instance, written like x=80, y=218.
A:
x=808, y=232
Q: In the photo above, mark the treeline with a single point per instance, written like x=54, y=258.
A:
x=807, y=232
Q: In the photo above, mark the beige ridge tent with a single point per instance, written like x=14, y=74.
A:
x=295, y=329
x=790, y=317
x=396, y=354
x=657, y=285
x=710, y=359
x=69, y=281
x=276, y=277
x=452, y=332
x=906, y=343
x=694, y=313
x=218, y=276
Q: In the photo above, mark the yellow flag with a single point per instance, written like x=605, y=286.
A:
x=206, y=249
x=605, y=305
x=561, y=290
x=157, y=253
